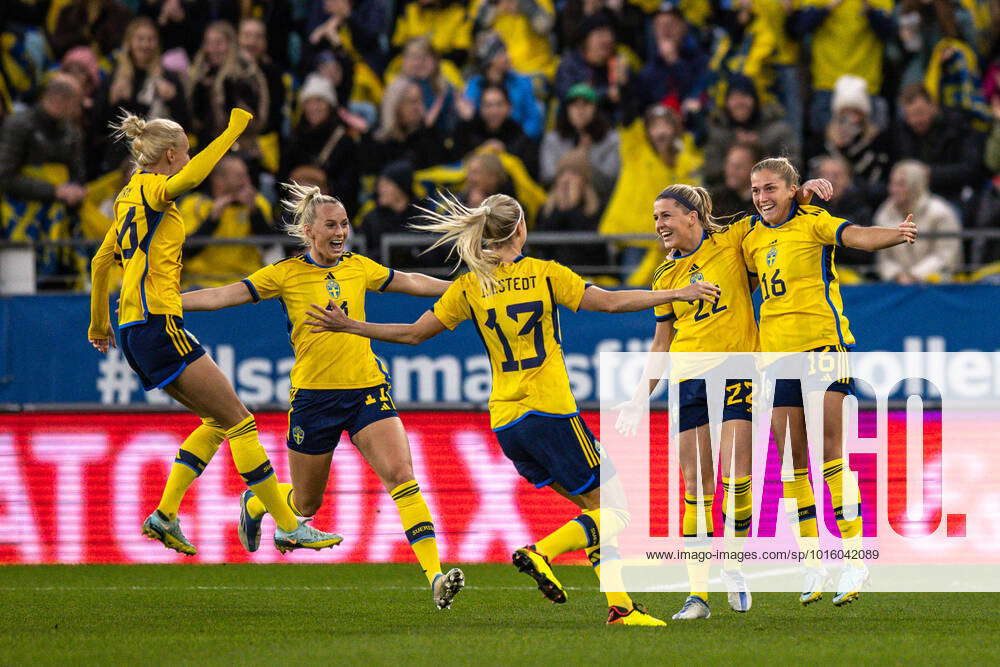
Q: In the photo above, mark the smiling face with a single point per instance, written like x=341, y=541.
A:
x=143, y=45
x=772, y=195
x=676, y=225
x=328, y=233
x=253, y=38
x=216, y=46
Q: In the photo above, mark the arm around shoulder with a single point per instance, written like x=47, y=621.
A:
x=216, y=298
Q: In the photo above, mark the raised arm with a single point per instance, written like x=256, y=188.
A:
x=216, y=298
x=201, y=165
x=417, y=284
x=99, y=333
x=631, y=300
x=334, y=319
x=879, y=238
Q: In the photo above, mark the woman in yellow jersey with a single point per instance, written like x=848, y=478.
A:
x=700, y=248
x=337, y=381
x=790, y=248
x=512, y=301
x=145, y=240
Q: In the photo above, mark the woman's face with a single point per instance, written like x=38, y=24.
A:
x=494, y=108
x=772, y=196
x=216, y=47
x=740, y=106
x=328, y=233
x=410, y=114
x=580, y=113
x=676, y=226
x=253, y=38
x=419, y=63
x=144, y=45
x=316, y=111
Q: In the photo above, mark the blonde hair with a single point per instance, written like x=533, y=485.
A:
x=234, y=66
x=781, y=166
x=148, y=140
x=124, y=65
x=695, y=199
x=302, y=202
x=474, y=232
x=392, y=98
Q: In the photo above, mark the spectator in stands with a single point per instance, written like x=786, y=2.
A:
x=406, y=131
x=140, y=85
x=850, y=203
x=395, y=210
x=676, y=73
x=42, y=174
x=940, y=139
x=323, y=140
x=931, y=258
x=445, y=23
x=485, y=176
x=628, y=19
x=494, y=126
x=423, y=66
x=495, y=67
x=222, y=78
x=845, y=38
x=234, y=210
x=252, y=39
x=854, y=136
x=988, y=212
x=744, y=120
x=525, y=26
x=595, y=62
x=81, y=64
x=732, y=198
x=98, y=24
x=356, y=26
x=573, y=206
x=581, y=123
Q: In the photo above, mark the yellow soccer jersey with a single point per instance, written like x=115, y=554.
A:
x=519, y=325
x=794, y=260
x=729, y=324
x=325, y=360
x=147, y=236
x=846, y=44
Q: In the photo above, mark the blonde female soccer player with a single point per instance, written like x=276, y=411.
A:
x=791, y=248
x=700, y=248
x=337, y=381
x=512, y=301
x=146, y=240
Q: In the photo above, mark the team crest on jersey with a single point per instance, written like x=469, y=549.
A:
x=298, y=435
x=332, y=286
x=696, y=276
x=772, y=255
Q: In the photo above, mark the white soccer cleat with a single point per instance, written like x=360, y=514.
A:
x=694, y=607
x=852, y=580
x=816, y=580
x=446, y=587
x=737, y=590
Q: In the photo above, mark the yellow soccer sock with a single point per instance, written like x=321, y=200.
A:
x=195, y=453
x=256, y=508
x=255, y=469
x=737, y=525
x=418, y=526
x=805, y=518
x=610, y=560
x=696, y=545
x=845, y=496
x=579, y=533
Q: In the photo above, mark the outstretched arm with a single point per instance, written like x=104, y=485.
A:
x=632, y=411
x=417, y=284
x=631, y=300
x=216, y=298
x=201, y=165
x=99, y=333
x=333, y=319
x=879, y=238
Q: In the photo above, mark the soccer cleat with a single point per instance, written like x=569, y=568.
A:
x=638, y=615
x=815, y=581
x=694, y=607
x=249, y=528
x=535, y=565
x=304, y=537
x=852, y=580
x=738, y=592
x=446, y=587
x=158, y=527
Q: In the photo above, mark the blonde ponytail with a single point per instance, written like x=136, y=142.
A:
x=147, y=140
x=695, y=199
x=474, y=233
x=302, y=202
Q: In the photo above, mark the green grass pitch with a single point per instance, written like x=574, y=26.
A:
x=238, y=614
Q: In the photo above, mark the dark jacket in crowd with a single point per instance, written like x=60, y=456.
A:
x=473, y=133
x=32, y=137
x=343, y=161
x=953, y=152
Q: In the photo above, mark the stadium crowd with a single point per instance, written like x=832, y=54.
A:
x=583, y=109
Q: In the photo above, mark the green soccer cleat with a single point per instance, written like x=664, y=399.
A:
x=536, y=566
x=304, y=537
x=446, y=587
x=158, y=527
x=249, y=527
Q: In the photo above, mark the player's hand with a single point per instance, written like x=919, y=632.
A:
x=699, y=290
x=821, y=187
x=908, y=229
x=240, y=118
x=630, y=414
x=332, y=318
x=102, y=345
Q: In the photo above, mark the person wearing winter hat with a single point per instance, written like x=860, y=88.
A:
x=853, y=136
